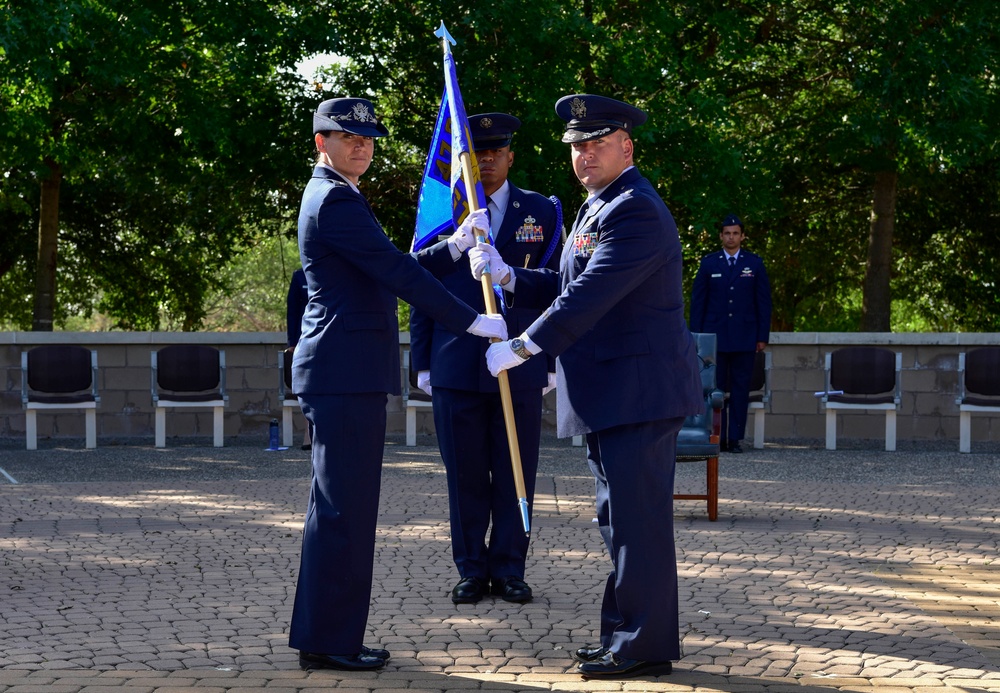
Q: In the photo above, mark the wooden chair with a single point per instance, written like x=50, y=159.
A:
x=59, y=377
x=413, y=398
x=698, y=440
x=186, y=376
x=978, y=389
x=862, y=378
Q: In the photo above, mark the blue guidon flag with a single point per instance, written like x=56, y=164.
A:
x=444, y=200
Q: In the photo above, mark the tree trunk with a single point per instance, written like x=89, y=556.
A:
x=48, y=240
x=876, y=308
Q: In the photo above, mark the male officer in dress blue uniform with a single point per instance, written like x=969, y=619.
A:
x=489, y=545
x=627, y=374
x=732, y=298
x=345, y=364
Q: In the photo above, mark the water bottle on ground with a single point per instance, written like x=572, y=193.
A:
x=274, y=435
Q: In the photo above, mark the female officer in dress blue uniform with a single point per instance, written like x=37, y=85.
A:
x=345, y=364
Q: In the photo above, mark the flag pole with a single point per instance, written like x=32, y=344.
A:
x=487, y=281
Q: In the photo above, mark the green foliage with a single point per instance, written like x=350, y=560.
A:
x=186, y=154
x=178, y=129
x=254, y=288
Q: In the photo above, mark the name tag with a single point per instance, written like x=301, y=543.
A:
x=715, y=276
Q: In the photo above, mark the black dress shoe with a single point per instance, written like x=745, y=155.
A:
x=512, y=589
x=735, y=448
x=358, y=662
x=611, y=666
x=469, y=590
x=589, y=654
x=371, y=652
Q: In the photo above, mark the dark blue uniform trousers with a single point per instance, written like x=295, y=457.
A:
x=472, y=438
x=734, y=371
x=633, y=465
x=338, y=541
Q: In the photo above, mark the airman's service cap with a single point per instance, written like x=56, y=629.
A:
x=731, y=220
x=492, y=130
x=348, y=114
x=588, y=116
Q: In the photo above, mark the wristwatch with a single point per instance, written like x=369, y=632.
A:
x=517, y=346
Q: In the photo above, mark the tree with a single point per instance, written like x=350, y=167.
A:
x=155, y=135
x=812, y=118
x=857, y=139
x=866, y=93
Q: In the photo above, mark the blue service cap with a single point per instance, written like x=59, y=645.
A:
x=731, y=220
x=348, y=114
x=588, y=116
x=492, y=130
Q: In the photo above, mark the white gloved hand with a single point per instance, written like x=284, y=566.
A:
x=549, y=387
x=424, y=381
x=500, y=357
x=465, y=237
x=490, y=326
x=483, y=254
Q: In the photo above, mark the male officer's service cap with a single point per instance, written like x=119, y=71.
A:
x=492, y=130
x=731, y=220
x=348, y=114
x=588, y=116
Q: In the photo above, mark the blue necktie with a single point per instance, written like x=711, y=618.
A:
x=581, y=214
x=489, y=215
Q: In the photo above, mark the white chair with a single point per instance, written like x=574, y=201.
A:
x=414, y=398
x=978, y=390
x=59, y=377
x=760, y=395
x=188, y=376
x=862, y=378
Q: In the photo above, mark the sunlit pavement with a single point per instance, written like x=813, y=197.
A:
x=136, y=569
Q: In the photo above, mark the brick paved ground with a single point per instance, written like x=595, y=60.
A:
x=134, y=569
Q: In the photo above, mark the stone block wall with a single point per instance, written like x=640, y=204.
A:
x=928, y=410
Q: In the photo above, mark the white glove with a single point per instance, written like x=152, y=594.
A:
x=491, y=326
x=547, y=389
x=465, y=237
x=483, y=254
x=424, y=381
x=500, y=357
